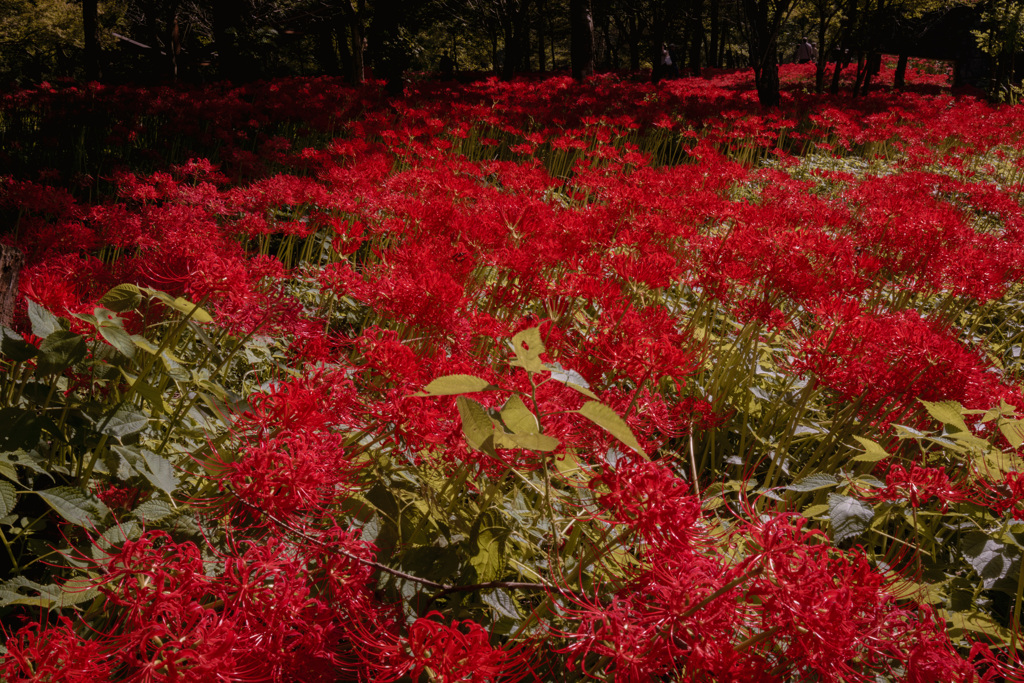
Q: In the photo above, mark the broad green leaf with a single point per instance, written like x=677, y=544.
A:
x=20, y=429
x=23, y=591
x=118, y=338
x=850, y=517
x=60, y=351
x=518, y=418
x=609, y=420
x=43, y=322
x=122, y=298
x=144, y=344
x=502, y=602
x=814, y=482
x=8, y=498
x=991, y=559
x=528, y=347
x=925, y=593
x=815, y=511
x=477, y=426
x=1013, y=431
x=154, y=511
x=533, y=442
x=124, y=423
x=947, y=412
x=488, y=560
x=449, y=385
x=179, y=304
x=74, y=506
x=975, y=622
x=147, y=391
x=160, y=472
x=14, y=347
x=872, y=451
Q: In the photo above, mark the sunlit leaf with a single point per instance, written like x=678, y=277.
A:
x=456, y=384
x=75, y=506
x=528, y=347
x=609, y=420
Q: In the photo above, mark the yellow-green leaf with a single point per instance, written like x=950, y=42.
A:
x=518, y=418
x=815, y=511
x=609, y=420
x=975, y=622
x=947, y=412
x=449, y=385
x=477, y=426
x=1013, y=430
x=533, y=442
x=122, y=298
x=872, y=451
x=528, y=347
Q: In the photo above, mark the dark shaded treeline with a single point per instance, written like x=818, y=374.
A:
x=238, y=40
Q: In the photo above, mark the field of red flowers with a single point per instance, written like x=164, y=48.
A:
x=536, y=380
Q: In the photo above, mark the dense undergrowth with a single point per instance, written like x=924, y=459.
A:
x=530, y=380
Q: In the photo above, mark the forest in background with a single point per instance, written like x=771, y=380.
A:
x=242, y=40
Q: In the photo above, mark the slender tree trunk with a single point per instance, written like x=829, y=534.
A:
x=90, y=26
x=227, y=21
x=819, y=71
x=11, y=260
x=713, y=53
x=326, y=54
x=541, y=21
x=582, y=37
x=899, y=79
x=695, y=27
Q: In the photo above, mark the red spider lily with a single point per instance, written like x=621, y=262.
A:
x=919, y=485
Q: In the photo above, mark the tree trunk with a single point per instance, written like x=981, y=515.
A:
x=227, y=21
x=713, y=58
x=581, y=19
x=541, y=21
x=899, y=79
x=764, y=19
x=90, y=26
x=695, y=27
x=11, y=260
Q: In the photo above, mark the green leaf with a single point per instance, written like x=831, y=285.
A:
x=477, y=426
x=609, y=420
x=124, y=423
x=147, y=391
x=815, y=511
x=59, y=351
x=518, y=418
x=144, y=344
x=991, y=559
x=122, y=298
x=533, y=442
x=1013, y=431
x=23, y=591
x=43, y=322
x=118, y=338
x=154, y=510
x=502, y=602
x=160, y=472
x=528, y=347
x=872, y=451
x=975, y=622
x=75, y=506
x=449, y=385
x=947, y=412
x=814, y=482
x=14, y=347
x=488, y=559
x=850, y=517
x=8, y=498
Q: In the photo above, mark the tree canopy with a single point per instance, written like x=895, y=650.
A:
x=203, y=40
